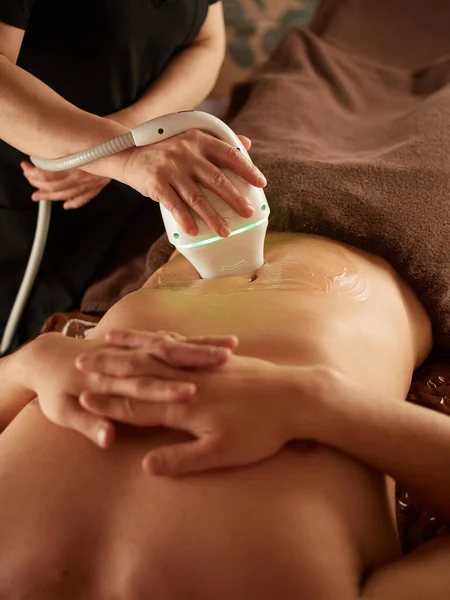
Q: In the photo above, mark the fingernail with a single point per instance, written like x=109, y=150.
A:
x=224, y=231
x=101, y=436
x=249, y=209
x=192, y=231
x=261, y=179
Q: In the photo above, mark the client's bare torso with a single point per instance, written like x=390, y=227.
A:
x=78, y=522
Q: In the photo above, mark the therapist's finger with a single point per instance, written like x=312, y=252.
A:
x=224, y=155
x=189, y=191
x=216, y=181
x=245, y=141
x=66, y=193
x=80, y=201
x=51, y=186
x=168, y=196
x=40, y=175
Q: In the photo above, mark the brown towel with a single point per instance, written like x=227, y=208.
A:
x=350, y=122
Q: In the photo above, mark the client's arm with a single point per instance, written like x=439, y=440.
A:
x=408, y=442
x=412, y=444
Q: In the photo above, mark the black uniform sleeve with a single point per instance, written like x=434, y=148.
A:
x=16, y=12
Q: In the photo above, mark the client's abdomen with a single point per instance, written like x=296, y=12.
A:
x=79, y=522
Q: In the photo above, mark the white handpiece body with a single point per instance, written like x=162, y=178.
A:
x=242, y=251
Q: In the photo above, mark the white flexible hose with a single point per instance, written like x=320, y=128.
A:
x=79, y=159
x=31, y=271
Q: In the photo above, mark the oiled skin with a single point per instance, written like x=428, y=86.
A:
x=79, y=522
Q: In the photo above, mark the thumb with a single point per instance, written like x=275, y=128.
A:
x=182, y=459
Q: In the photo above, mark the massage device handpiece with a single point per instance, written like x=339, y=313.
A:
x=242, y=251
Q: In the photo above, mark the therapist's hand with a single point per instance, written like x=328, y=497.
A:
x=171, y=171
x=75, y=187
x=243, y=412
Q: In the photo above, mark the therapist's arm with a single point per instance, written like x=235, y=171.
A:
x=183, y=85
x=38, y=121
x=189, y=77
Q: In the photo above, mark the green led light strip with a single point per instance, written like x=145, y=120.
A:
x=218, y=238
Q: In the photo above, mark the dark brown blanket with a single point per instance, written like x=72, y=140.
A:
x=350, y=122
